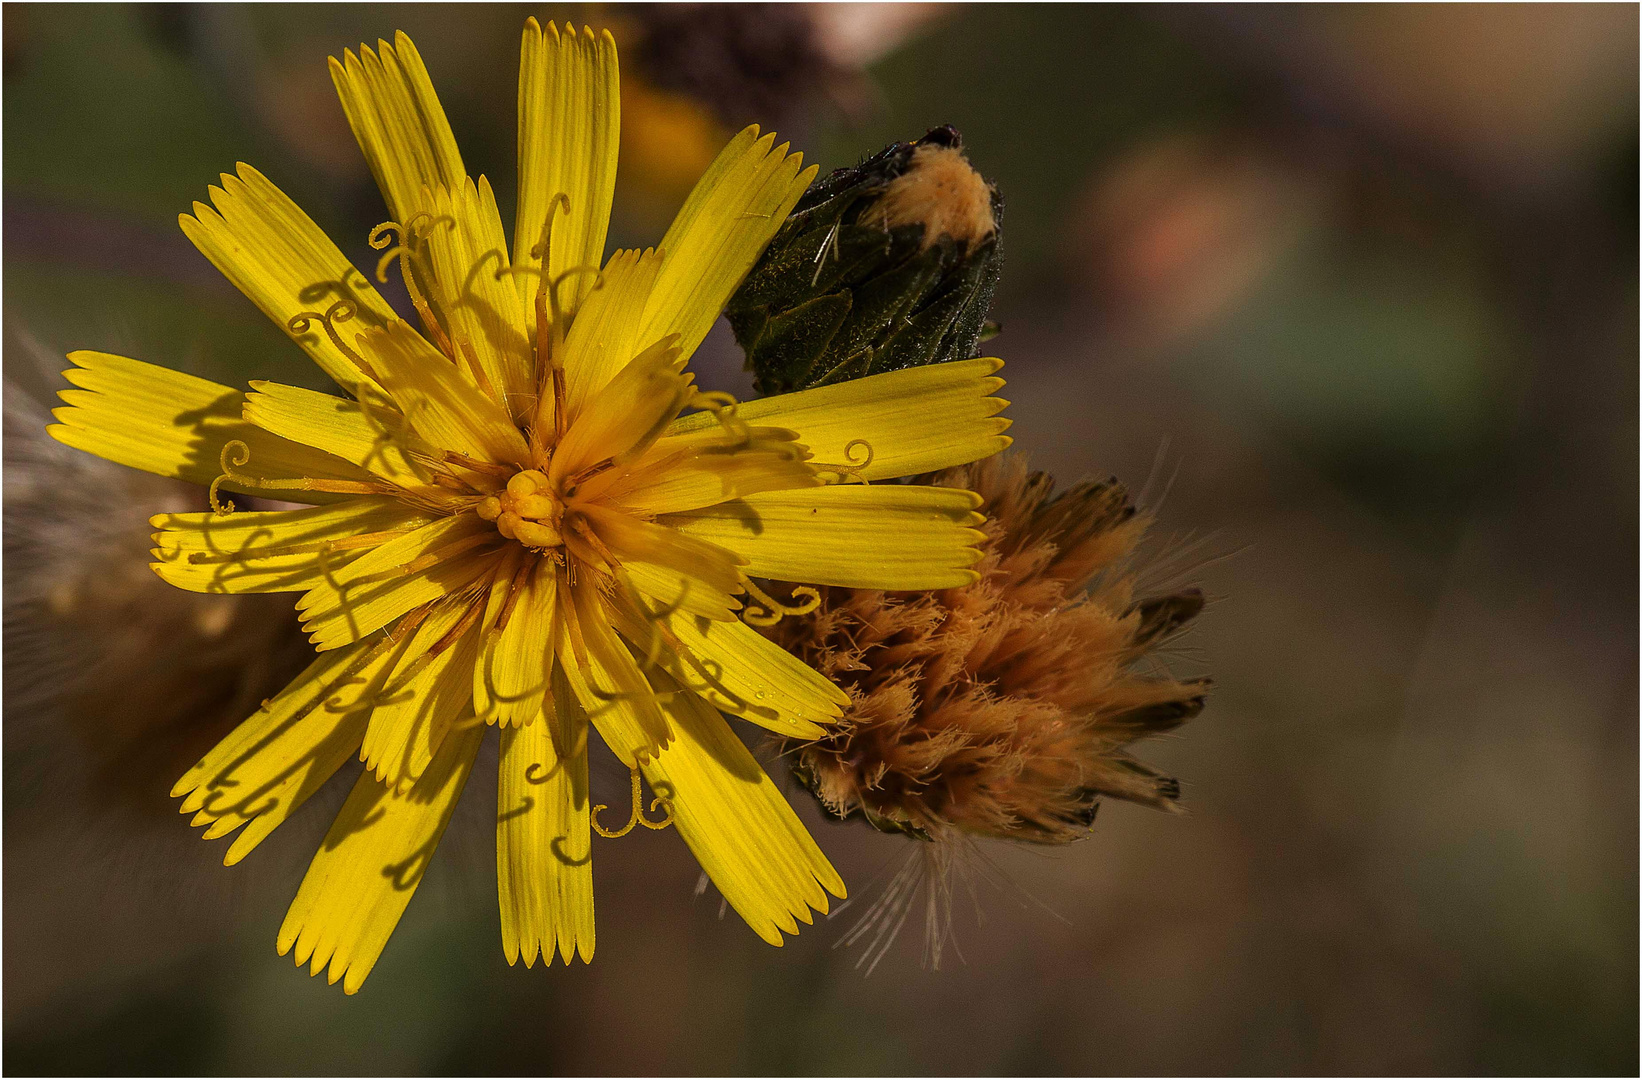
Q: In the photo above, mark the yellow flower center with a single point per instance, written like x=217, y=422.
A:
x=528, y=511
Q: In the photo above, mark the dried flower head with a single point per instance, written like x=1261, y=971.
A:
x=1003, y=708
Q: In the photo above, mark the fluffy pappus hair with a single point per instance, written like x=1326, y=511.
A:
x=111, y=669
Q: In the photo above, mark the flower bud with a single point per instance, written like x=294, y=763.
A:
x=885, y=265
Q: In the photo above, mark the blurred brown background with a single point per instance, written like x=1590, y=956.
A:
x=1358, y=284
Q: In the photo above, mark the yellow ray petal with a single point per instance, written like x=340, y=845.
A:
x=880, y=536
x=735, y=209
x=917, y=420
x=369, y=433
x=663, y=562
x=627, y=416
x=604, y=337
x=274, y=551
x=544, y=857
x=670, y=587
x=681, y=468
x=692, y=479
x=511, y=679
x=288, y=267
x=165, y=422
x=740, y=671
x=442, y=404
x=399, y=123
x=732, y=667
x=370, y=864
x=372, y=591
x=395, y=557
x=737, y=823
x=604, y=677
x=479, y=306
x=271, y=763
x=423, y=697
x=502, y=593
x=569, y=124
x=249, y=532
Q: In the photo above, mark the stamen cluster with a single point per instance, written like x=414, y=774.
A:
x=527, y=510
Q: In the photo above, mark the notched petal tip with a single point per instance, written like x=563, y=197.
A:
x=807, y=730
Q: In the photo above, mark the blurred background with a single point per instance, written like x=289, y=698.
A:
x=1357, y=285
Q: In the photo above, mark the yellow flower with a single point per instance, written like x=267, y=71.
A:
x=512, y=524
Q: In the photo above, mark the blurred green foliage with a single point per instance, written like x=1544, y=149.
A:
x=99, y=113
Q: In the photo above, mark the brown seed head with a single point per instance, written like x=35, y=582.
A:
x=1002, y=708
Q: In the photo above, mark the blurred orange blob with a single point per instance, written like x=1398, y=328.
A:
x=1180, y=229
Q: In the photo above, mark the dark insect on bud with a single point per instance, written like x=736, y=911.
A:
x=886, y=265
